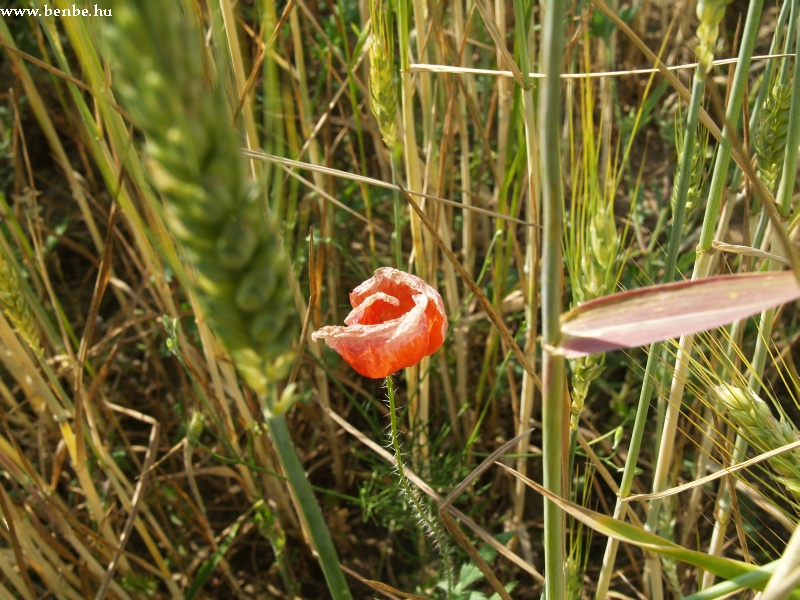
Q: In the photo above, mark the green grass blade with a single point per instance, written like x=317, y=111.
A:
x=625, y=532
x=309, y=508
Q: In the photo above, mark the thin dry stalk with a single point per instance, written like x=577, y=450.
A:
x=326, y=258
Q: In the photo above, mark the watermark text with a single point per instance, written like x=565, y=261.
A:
x=48, y=11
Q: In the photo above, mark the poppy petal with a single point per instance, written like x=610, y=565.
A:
x=376, y=309
x=403, y=286
x=397, y=320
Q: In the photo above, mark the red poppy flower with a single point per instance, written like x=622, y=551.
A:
x=396, y=321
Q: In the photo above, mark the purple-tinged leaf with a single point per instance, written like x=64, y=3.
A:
x=662, y=312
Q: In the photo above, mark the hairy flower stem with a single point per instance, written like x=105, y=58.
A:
x=420, y=510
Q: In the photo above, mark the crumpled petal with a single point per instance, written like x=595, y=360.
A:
x=397, y=320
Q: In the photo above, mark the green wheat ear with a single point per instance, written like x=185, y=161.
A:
x=752, y=416
x=383, y=92
x=596, y=277
x=196, y=164
x=769, y=139
x=15, y=306
x=694, y=193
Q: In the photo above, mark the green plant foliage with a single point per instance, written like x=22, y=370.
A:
x=470, y=574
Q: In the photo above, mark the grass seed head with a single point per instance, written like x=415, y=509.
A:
x=16, y=308
x=697, y=175
x=383, y=91
x=584, y=371
x=753, y=418
x=592, y=252
x=710, y=13
x=769, y=137
x=597, y=277
x=604, y=242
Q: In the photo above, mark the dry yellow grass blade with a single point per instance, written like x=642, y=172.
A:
x=496, y=320
x=749, y=251
x=723, y=472
x=377, y=182
x=452, y=70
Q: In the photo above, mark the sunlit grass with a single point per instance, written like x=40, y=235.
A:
x=138, y=447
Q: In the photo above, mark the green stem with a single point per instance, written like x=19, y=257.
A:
x=409, y=140
x=702, y=268
x=309, y=508
x=553, y=405
x=732, y=115
x=656, y=350
x=353, y=91
x=785, y=62
x=398, y=216
x=786, y=188
x=522, y=15
x=763, y=89
x=783, y=198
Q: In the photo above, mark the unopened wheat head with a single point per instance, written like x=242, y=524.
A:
x=195, y=162
x=382, y=88
x=598, y=255
x=694, y=191
x=753, y=418
x=710, y=13
x=769, y=137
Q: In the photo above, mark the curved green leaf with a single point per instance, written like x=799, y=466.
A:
x=725, y=568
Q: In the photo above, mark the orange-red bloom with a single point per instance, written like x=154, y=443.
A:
x=396, y=321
